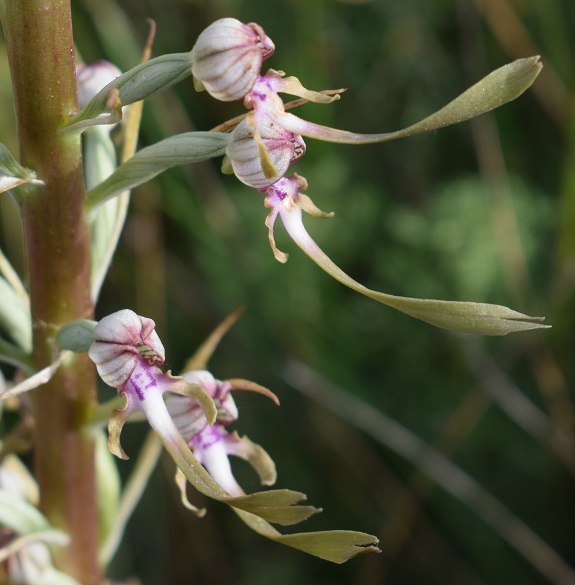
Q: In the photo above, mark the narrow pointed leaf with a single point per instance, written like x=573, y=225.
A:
x=15, y=316
x=182, y=149
x=201, y=357
x=100, y=162
x=12, y=173
x=499, y=87
x=110, y=218
x=19, y=515
x=15, y=356
x=38, y=379
x=136, y=84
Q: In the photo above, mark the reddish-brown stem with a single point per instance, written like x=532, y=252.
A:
x=41, y=52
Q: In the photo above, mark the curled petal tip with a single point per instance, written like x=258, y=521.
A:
x=270, y=220
x=309, y=207
x=182, y=484
x=241, y=384
x=114, y=444
x=279, y=255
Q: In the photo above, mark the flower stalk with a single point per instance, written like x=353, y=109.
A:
x=41, y=54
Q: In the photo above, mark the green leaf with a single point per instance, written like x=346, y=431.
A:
x=108, y=487
x=19, y=515
x=134, y=85
x=15, y=316
x=182, y=149
x=31, y=527
x=13, y=355
x=10, y=166
x=12, y=173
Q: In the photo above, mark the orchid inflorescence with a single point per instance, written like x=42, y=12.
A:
x=269, y=139
x=191, y=413
x=260, y=146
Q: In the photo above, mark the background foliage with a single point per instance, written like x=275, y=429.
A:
x=484, y=211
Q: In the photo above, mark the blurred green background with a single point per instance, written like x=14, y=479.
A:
x=483, y=211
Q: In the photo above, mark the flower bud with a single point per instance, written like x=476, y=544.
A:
x=227, y=57
x=187, y=413
x=120, y=341
x=283, y=148
x=92, y=78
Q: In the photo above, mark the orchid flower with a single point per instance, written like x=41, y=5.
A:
x=227, y=60
x=190, y=424
x=212, y=444
x=264, y=144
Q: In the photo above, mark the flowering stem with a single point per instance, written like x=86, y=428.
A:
x=41, y=53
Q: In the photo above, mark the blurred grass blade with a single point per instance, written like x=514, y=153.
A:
x=38, y=379
x=202, y=355
x=21, y=516
x=433, y=464
x=15, y=356
x=131, y=495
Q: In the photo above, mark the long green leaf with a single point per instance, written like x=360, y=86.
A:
x=136, y=84
x=182, y=149
x=15, y=316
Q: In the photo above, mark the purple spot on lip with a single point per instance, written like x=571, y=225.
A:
x=132, y=383
x=207, y=438
x=141, y=382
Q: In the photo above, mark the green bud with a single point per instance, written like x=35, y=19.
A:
x=76, y=336
x=130, y=87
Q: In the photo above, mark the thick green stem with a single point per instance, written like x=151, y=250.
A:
x=41, y=52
